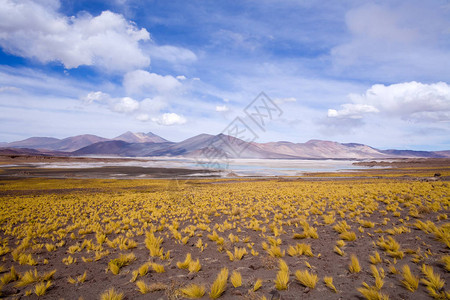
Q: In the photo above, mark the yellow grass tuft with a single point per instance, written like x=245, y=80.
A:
x=257, y=285
x=348, y=236
x=391, y=246
x=41, y=288
x=158, y=268
x=111, y=294
x=236, y=279
x=306, y=278
x=433, y=281
x=185, y=263
x=446, y=261
x=282, y=280
x=341, y=227
x=409, y=281
x=338, y=251
x=328, y=280
x=10, y=277
x=220, y=284
x=283, y=265
x=123, y=260
x=149, y=288
x=375, y=258
x=372, y=293
x=354, y=266
x=193, y=291
x=300, y=249
x=32, y=276
x=194, y=266
x=379, y=282
x=275, y=251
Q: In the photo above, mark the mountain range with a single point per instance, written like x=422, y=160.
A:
x=141, y=144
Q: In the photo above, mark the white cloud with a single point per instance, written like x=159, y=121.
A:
x=168, y=119
x=126, y=105
x=352, y=111
x=410, y=101
x=172, y=54
x=221, y=108
x=140, y=81
x=95, y=96
x=32, y=30
x=388, y=38
x=181, y=77
x=153, y=105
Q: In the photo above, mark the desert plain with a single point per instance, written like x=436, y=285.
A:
x=376, y=233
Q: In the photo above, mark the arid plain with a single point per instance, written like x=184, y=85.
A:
x=375, y=234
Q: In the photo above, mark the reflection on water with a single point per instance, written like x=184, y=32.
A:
x=240, y=167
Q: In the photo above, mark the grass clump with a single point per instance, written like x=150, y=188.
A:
x=306, y=278
x=41, y=288
x=372, y=293
x=11, y=276
x=32, y=276
x=328, y=280
x=185, y=263
x=432, y=281
x=375, y=258
x=257, y=285
x=236, y=279
x=193, y=291
x=348, y=236
x=354, y=266
x=219, y=285
x=409, y=281
x=111, y=294
x=149, y=288
x=195, y=266
x=123, y=260
x=282, y=279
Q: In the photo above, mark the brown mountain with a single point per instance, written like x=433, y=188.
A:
x=206, y=145
x=140, y=137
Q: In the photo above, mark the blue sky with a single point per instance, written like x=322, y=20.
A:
x=372, y=72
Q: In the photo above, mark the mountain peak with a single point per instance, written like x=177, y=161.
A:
x=140, y=137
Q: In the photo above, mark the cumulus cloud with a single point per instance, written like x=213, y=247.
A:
x=32, y=29
x=352, y=111
x=168, y=119
x=172, y=54
x=126, y=105
x=414, y=101
x=221, y=108
x=140, y=81
x=95, y=96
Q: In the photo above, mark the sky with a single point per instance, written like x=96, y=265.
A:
x=370, y=72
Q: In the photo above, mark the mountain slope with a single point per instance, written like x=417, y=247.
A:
x=35, y=143
x=322, y=149
x=140, y=137
x=208, y=146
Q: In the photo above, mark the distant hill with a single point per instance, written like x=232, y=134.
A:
x=206, y=145
x=140, y=137
x=68, y=144
x=74, y=143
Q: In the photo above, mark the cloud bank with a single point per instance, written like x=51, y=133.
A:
x=31, y=30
